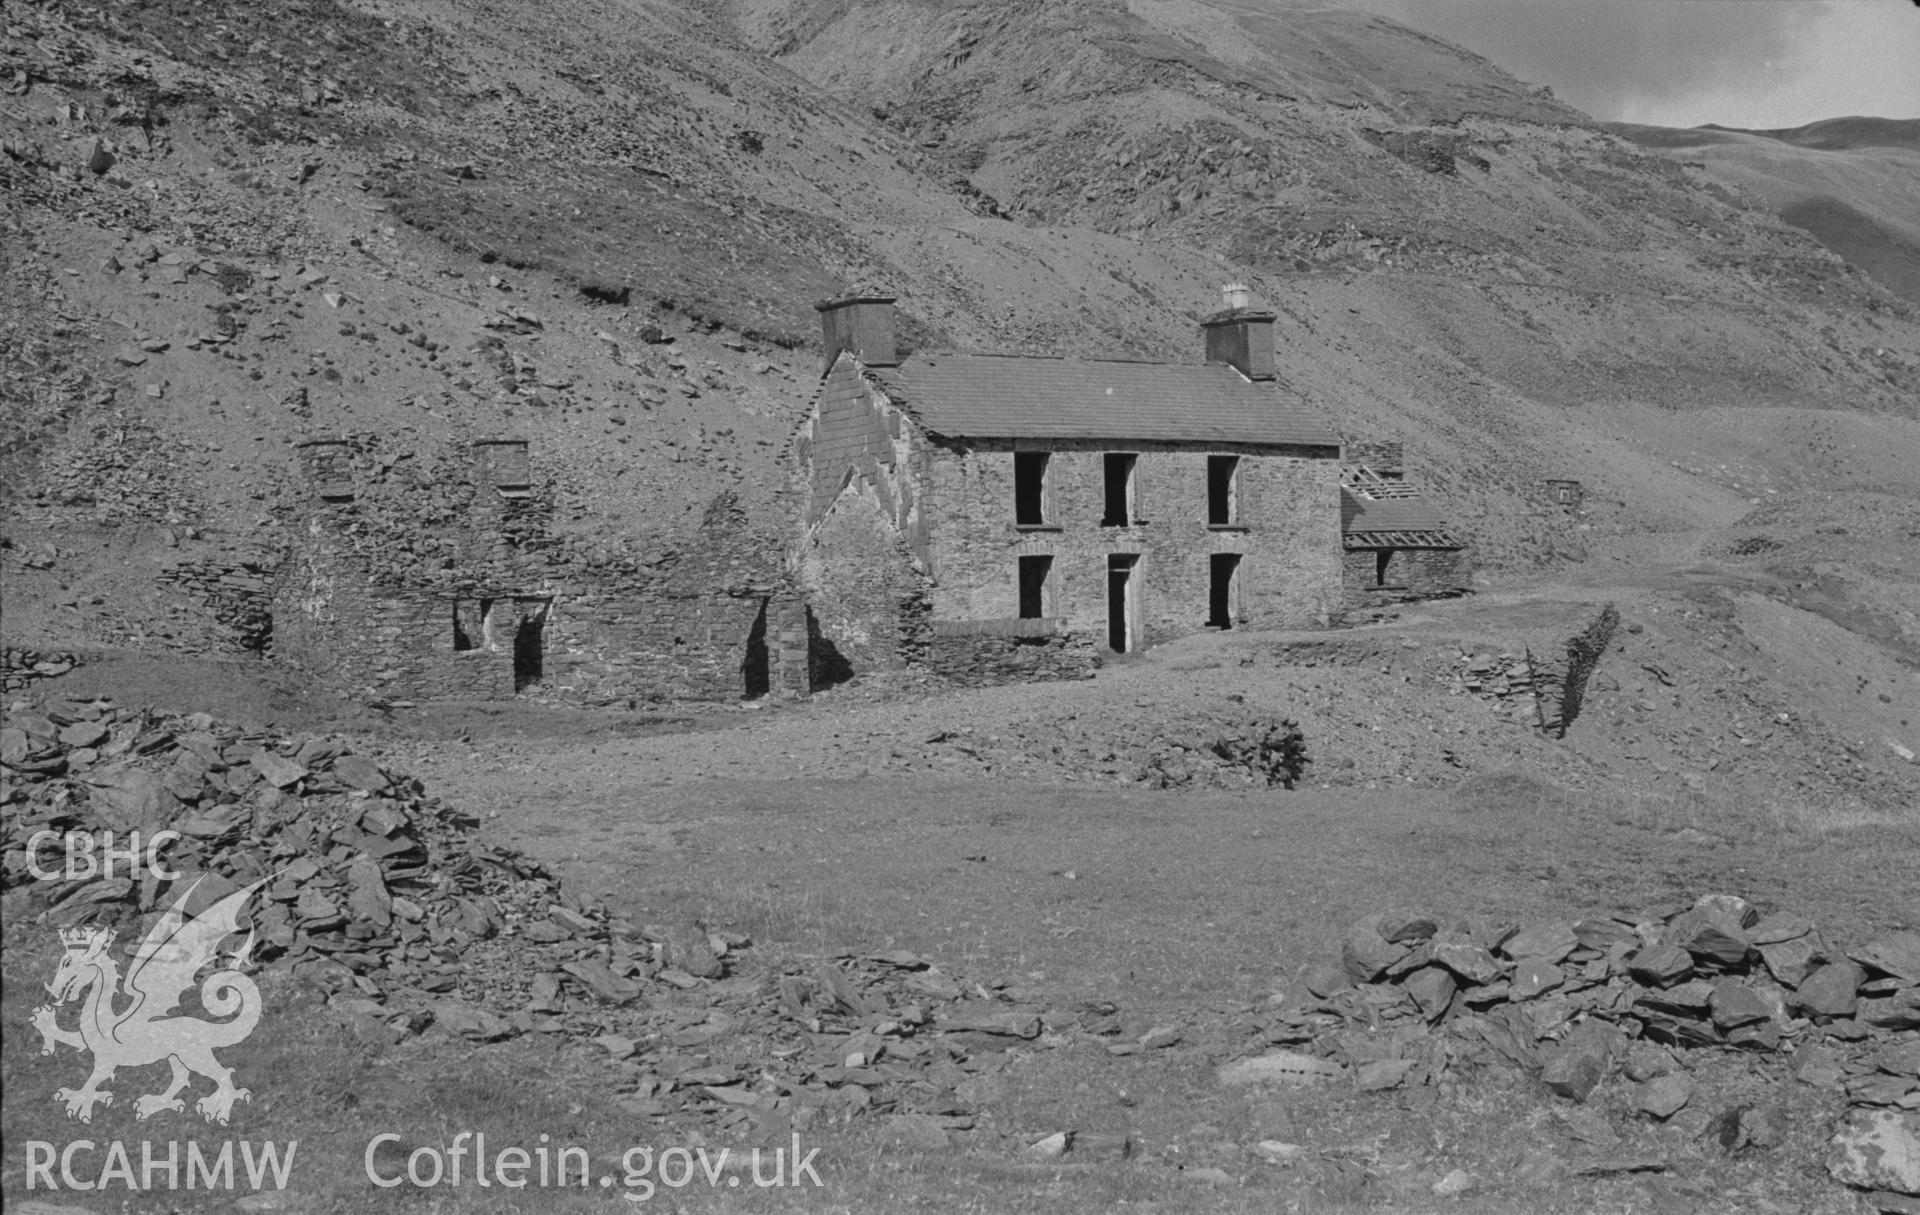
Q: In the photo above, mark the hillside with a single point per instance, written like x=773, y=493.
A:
x=602, y=225
x=1850, y=182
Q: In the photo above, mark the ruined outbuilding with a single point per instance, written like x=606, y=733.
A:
x=1396, y=545
x=991, y=516
x=435, y=576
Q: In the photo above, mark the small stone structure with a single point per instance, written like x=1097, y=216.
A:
x=440, y=580
x=1014, y=517
x=1397, y=548
x=1567, y=495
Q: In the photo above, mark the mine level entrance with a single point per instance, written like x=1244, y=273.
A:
x=1223, y=598
x=530, y=644
x=1121, y=602
x=756, y=669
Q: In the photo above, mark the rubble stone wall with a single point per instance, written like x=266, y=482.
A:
x=1560, y=681
x=980, y=659
x=1288, y=537
x=419, y=586
x=238, y=594
x=856, y=436
x=1412, y=574
x=868, y=590
x=20, y=668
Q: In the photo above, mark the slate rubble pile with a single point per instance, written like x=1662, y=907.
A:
x=1229, y=749
x=1578, y=1001
x=20, y=667
x=394, y=904
x=1504, y=681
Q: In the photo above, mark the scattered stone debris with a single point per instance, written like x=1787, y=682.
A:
x=413, y=923
x=19, y=668
x=1576, y=1002
x=1261, y=751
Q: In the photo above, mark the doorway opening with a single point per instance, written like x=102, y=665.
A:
x=1223, y=598
x=529, y=644
x=756, y=668
x=1122, y=603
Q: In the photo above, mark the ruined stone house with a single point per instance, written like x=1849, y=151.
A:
x=993, y=516
x=435, y=576
x=1396, y=546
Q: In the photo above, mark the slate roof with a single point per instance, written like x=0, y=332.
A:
x=990, y=396
x=1359, y=514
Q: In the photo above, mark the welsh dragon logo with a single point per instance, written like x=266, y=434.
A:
x=172, y=953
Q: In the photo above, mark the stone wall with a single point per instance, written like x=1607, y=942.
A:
x=20, y=668
x=238, y=594
x=857, y=436
x=1288, y=535
x=979, y=653
x=431, y=584
x=1412, y=574
x=867, y=589
x=1560, y=680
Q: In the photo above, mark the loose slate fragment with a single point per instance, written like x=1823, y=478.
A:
x=1877, y=1150
x=1711, y=938
x=1661, y=965
x=1830, y=991
x=1277, y=1067
x=1663, y=1096
x=1365, y=953
x=1547, y=940
x=1791, y=960
x=1733, y=1003
x=1897, y=954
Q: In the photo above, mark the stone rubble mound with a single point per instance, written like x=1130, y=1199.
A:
x=1578, y=1001
x=21, y=667
x=396, y=906
x=1231, y=749
x=1260, y=751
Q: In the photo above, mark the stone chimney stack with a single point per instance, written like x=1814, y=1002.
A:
x=1241, y=336
x=862, y=324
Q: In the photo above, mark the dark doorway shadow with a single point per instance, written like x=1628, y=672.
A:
x=529, y=647
x=756, y=668
x=826, y=665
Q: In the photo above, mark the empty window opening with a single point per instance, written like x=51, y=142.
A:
x=1223, y=490
x=1036, y=589
x=462, y=640
x=1121, y=606
x=1382, y=562
x=1121, y=506
x=1029, y=488
x=1223, y=598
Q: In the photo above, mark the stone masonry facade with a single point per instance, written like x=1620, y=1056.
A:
x=986, y=557
x=439, y=579
x=1287, y=538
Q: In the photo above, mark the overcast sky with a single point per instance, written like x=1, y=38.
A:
x=1739, y=63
